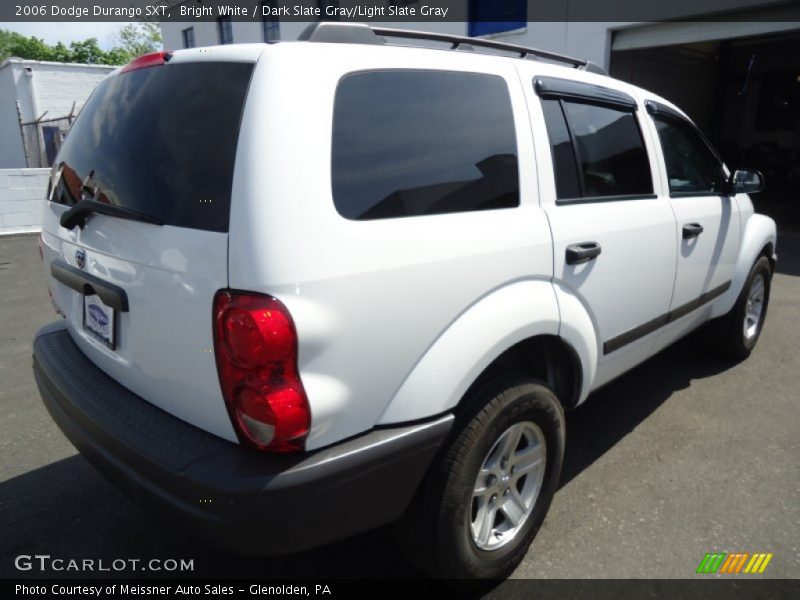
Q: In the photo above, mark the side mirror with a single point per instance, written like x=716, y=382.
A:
x=745, y=181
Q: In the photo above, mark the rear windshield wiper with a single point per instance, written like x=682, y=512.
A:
x=78, y=214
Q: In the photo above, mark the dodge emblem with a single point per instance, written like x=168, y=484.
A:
x=80, y=258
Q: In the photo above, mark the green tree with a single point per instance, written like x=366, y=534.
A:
x=29, y=47
x=116, y=56
x=61, y=53
x=6, y=39
x=133, y=39
x=88, y=51
x=139, y=38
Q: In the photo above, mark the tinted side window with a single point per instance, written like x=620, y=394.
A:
x=566, y=169
x=613, y=159
x=691, y=165
x=415, y=142
x=598, y=151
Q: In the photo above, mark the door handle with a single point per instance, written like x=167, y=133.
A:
x=692, y=230
x=82, y=282
x=583, y=252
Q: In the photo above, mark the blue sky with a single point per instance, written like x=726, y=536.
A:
x=68, y=32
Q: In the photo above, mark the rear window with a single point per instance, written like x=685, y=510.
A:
x=161, y=141
x=413, y=142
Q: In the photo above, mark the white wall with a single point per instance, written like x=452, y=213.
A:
x=59, y=85
x=51, y=87
x=11, y=151
x=21, y=194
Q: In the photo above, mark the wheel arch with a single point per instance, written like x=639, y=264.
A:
x=497, y=333
x=759, y=238
x=769, y=251
x=545, y=357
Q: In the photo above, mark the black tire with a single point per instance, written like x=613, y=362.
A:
x=728, y=330
x=435, y=532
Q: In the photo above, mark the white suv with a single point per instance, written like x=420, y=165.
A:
x=313, y=288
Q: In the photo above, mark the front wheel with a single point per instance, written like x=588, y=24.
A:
x=486, y=497
x=739, y=330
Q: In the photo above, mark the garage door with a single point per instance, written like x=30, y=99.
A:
x=667, y=34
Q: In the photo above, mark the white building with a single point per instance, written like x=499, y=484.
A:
x=584, y=40
x=732, y=65
x=594, y=41
x=44, y=97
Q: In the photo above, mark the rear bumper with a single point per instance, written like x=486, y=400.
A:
x=234, y=496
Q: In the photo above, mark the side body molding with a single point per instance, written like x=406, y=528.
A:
x=480, y=334
x=757, y=231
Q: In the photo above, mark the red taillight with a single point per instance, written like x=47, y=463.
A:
x=147, y=60
x=255, y=342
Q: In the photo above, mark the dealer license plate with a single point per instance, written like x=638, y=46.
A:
x=98, y=319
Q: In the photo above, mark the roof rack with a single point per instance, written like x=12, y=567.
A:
x=360, y=33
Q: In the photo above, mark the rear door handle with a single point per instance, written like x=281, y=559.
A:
x=84, y=283
x=583, y=252
x=692, y=230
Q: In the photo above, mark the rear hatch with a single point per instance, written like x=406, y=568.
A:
x=152, y=155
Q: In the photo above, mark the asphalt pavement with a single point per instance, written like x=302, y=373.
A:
x=687, y=454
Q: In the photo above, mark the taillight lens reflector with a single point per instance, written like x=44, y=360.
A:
x=255, y=342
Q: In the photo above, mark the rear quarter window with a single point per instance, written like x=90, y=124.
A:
x=415, y=142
